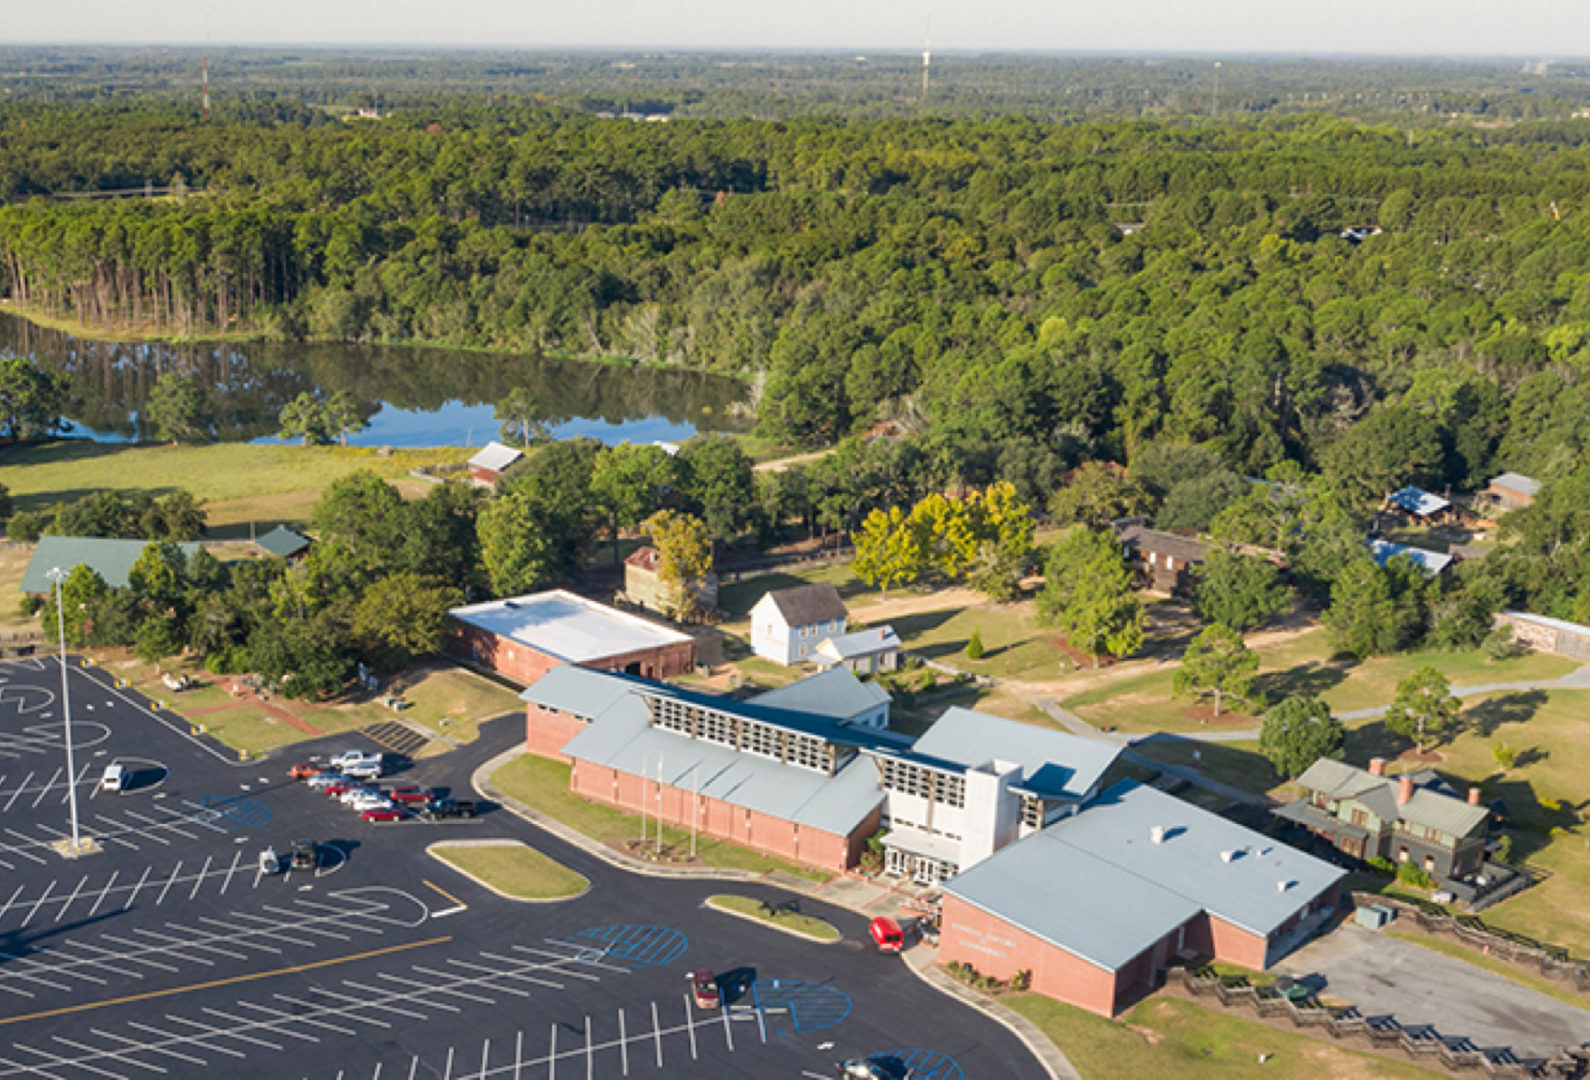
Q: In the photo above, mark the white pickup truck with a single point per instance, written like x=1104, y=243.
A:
x=358, y=764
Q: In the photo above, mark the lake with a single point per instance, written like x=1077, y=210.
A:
x=409, y=396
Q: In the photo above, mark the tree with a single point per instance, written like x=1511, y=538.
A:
x=1237, y=590
x=305, y=418
x=158, y=637
x=887, y=550
x=159, y=575
x=306, y=658
x=1195, y=503
x=1162, y=466
x=520, y=417
x=404, y=615
x=684, y=556
x=1373, y=610
x=1217, y=662
x=31, y=400
x=515, y=548
x=362, y=520
x=974, y=645
x=174, y=409
x=342, y=416
x=1298, y=732
x=629, y=482
x=1423, y=708
x=80, y=594
x=718, y=480
x=946, y=535
x=1088, y=593
x=1003, y=527
x=177, y=516
x=1097, y=495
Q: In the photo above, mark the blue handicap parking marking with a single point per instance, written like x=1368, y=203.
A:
x=809, y=1006
x=238, y=810
x=919, y=1064
x=647, y=946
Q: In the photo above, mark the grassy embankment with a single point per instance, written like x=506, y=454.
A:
x=791, y=922
x=543, y=785
x=514, y=869
x=1171, y=1037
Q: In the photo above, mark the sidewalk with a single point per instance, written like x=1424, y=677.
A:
x=866, y=898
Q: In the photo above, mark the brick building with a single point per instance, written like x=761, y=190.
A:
x=1096, y=905
x=524, y=637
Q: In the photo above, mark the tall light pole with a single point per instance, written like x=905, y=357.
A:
x=57, y=575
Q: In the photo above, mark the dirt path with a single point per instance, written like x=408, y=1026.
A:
x=916, y=603
x=780, y=464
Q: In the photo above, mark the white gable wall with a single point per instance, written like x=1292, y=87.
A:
x=774, y=639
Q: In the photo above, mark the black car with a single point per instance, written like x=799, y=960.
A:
x=306, y=855
x=450, y=808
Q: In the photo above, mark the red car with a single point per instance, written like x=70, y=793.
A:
x=886, y=934
x=337, y=788
x=383, y=814
x=409, y=794
x=704, y=989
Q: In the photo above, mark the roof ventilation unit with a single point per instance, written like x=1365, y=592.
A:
x=1156, y=833
x=1227, y=856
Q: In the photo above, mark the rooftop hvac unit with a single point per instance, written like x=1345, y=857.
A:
x=1156, y=833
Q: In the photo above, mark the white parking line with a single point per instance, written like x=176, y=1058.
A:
x=20, y=789
x=200, y=879
x=11, y=901
x=59, y=915
x=237, y=857
x=656, y=1030
x=103, y=893
x=163, y=892
x=45, y=789
x=67, y=794
x=134, y=894
x=37, y=904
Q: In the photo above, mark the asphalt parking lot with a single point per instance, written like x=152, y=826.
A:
x=170, y=954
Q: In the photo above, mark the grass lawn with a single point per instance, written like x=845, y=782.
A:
x=446, y=700
x=736, y=598
x=1171, y=1037
x=1302, y=665
x=247, y=483
x=792, y=922
x=1447, y=947
x=1236, y=763
x=1014, y=645
x=513, y=868
x=13, y=561
x=543, y=784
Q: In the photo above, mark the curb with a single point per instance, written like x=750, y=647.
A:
x=1038, y=1044
x=771, y=925
x=430, y=849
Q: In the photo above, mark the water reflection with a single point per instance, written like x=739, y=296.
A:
x=409, y=396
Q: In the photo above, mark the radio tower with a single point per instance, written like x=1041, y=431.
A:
x=927, y=56
x=206, y=87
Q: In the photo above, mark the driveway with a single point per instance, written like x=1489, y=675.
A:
x=1384, y=975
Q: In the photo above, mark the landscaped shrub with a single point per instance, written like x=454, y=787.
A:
x=1506, y=756
x=27, y=526
x=1409, y=874
x=1500, y=644
x=1021, y=981
x=974, y=646
x=232, y=660
x=1385, y=866
x=29, y=605
x=1504, y=848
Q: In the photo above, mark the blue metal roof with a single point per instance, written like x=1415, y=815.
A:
x=1431, y=562
x=1096, y=884
x=1417, y=501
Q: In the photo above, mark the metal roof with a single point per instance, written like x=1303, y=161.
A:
x=1512, y=481
x=110, y=559
x=1417, y=501
x=1052, y=762
x=1144, y=541
x=836, y=694
x=1097, y=885
x=622, y=738
x=1547, y=620
x=806, y=604
x=283, y=541
x=867, y=642
x=582, y=691
x=1431, y=562
x=495, y=457
x=566, y=626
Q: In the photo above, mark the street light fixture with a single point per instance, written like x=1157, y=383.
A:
x=76, y=845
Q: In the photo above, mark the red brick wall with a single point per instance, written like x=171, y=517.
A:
x=525, y=665
x=775, y=836
x=1237, y=946
x=546, y=731
x=969, y=935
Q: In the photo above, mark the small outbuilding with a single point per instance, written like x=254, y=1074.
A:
x=494, y=459
x=644, y=586
x=1509, y=491
x=284, y=543
x=524, y=637
x=865, y=652
x=1433, y=563
x=1419, y=506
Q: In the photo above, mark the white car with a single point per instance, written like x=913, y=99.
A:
x=353, y=757
x=371, y=802
x=347, y=797
x=321, y=781
x=367, y=769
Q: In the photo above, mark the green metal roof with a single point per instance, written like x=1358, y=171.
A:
x=283, y=541
x=111, y=559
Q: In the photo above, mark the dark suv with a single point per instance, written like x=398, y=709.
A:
x=450, y=808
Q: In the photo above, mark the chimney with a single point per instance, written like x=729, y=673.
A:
x=1377, y=766
x=1405, y=790
x=1156, y=833
x=1474, y=796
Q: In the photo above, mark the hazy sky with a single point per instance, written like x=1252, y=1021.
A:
x=1543, y=28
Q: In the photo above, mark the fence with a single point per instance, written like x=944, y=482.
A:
x=1552, y=961
x=1344, y=1022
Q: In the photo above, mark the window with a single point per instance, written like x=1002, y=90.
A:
x=949, y=790
x=1429, y=864
x=1031, y=811
x=761, y=740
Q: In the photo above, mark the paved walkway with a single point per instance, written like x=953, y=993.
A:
x=1577, y=679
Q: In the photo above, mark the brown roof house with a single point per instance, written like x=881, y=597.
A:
x=644, y=586
x=1413, y=818
x=788, y=625
x=1509, y=491
x=1165, y=559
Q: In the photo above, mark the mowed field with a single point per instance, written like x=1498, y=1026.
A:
x=238, y=482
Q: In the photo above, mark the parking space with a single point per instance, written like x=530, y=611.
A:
x=173, y=953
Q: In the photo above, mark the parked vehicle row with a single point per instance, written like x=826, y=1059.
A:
x=347, y=777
